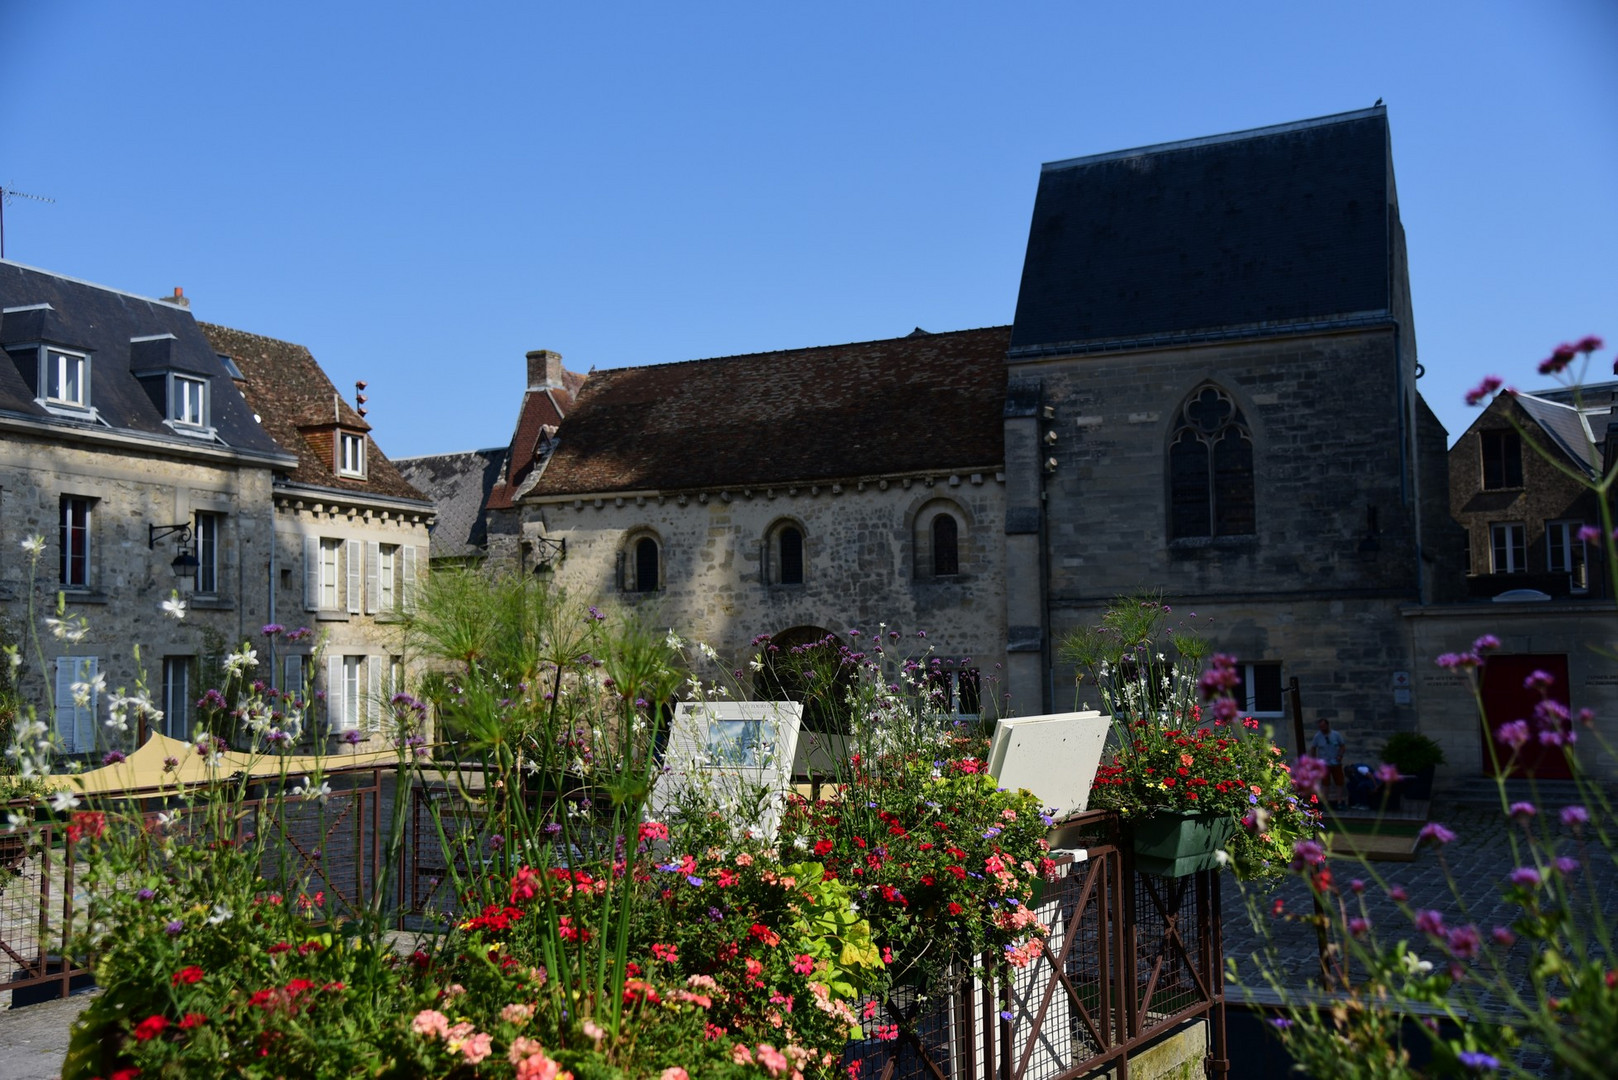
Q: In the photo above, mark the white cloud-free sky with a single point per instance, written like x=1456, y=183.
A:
x=422, y=192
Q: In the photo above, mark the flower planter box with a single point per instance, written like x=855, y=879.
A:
x=1174, y=845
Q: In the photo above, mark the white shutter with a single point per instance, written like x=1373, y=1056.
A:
x=66, y=712
x=292, y=675
x=408, y=551
x=373, y=693
x=373, y=557
x=335, y=720
x=356, y=578
x=86, y=719
x=311, y=573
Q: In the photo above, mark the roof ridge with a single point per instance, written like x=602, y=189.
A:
x=802, y=349
x=95, y=285
x=450, y=453
x=260, y=337
x=1213, y=140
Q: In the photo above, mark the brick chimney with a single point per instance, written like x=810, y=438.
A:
x=178, y=298
x=544, y=370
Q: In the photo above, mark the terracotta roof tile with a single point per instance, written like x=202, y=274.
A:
x=298, y=406
x=910, y=404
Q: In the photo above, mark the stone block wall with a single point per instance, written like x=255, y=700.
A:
x=131, y=490
x=863, y=543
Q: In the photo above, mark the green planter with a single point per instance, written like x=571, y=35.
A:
x=1174, y=845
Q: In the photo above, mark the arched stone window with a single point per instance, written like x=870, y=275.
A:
x=640, y=563
x=1211, y=469
x=785, y=554
x=946, y=546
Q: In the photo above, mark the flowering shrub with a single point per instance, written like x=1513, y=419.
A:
x=1180, y=743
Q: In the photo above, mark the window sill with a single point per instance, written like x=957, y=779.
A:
x=331, y=616
x=389, y=616
x=210, y=602
x=1216, y=543
x=80, y=595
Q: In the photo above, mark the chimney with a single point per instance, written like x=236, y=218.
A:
x=544, y=370
x=178, y=298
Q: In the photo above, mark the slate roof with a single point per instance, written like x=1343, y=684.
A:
x=542, y=412
x=295, y=400
x=1568, y=428
x=101, y=322
x=459, y=486
x=925, y=402
x=1285, y=224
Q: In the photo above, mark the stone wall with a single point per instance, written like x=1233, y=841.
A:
x=863, y=543
x=131, y=490
x=1318, y=585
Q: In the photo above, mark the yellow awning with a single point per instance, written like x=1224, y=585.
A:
x=147, y=768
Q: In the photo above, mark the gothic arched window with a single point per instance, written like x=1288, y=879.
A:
x=1211, y=469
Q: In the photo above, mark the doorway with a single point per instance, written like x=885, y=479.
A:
x=1505, y=699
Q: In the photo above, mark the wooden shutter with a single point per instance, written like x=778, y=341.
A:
x=311, y=573
x=356, y=575
x=373, y=590
x=373, y=693
x=408, y=554
x=335, y=720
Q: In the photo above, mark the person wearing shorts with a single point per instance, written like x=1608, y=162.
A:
x=1328, y=746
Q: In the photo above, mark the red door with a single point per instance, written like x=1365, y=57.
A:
x=1506, y=699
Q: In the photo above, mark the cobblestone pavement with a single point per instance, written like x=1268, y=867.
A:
x=1462, y=881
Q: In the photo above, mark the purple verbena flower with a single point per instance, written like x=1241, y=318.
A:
x=1429, y=921
x=1513, y=734
x=1523, y=810
x=1525, y=876
x=1437, y=833
x=1465, y=942
x=175, y=928
x=1575, y=815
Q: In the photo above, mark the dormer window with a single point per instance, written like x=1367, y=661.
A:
x=188, y=403
x=65, y=378
x=351, y=455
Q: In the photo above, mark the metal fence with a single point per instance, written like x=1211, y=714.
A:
x=1131, y=957
x=329, y=847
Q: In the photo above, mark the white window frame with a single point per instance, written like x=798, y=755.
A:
x=350, y=454
x=330, y=597
x=346, y=699
x=1249, y=704
x=1562, y=539
x=387, y=580
x=54, y=365
x=177, y=696
x=1501, y=534
x=188, y=401
x=65, y=532
x=206, y=531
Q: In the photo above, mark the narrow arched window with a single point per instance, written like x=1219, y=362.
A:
x=646, y=569
x=1211, y=469
x=946, y=546
x=789, y=547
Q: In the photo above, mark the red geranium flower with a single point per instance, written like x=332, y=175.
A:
x=150, y=1028
x=189, y=975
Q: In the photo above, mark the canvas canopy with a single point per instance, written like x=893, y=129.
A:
x=147, y=769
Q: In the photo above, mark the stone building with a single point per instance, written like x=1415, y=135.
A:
x=1209, y=389
x=351, y=534
x=1532, y=581
x=123, y=420
x=126, y=446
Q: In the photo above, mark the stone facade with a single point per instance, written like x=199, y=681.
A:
x=865, y=560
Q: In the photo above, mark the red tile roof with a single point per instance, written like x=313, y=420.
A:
x=925, y=402
x=299, y=407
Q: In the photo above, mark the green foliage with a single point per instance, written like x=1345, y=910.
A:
x=1411, y=752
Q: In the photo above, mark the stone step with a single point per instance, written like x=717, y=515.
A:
x=1481, y=791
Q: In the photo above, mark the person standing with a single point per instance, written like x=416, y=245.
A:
x=1329, y=746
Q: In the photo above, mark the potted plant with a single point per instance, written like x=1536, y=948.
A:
x=1194, y=782
x=1417, y=758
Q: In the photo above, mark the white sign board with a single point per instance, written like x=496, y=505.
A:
x=738, y=753
x=1054, y=756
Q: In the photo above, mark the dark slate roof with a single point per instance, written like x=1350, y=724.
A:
x=928, y=402
x=1567, y=428
x=542, y=412
x=109, y=325
x=459, y=486
x=1283, y=224
x=298, y=403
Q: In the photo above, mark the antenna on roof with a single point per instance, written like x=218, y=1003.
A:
x=6, y=195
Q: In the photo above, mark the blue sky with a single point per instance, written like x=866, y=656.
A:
x=422, y=192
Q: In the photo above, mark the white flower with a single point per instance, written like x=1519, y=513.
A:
x=83, y=692
x=707, y=650
x=238, y=662
x=221, y=913
x=15, y=821
x=1415, y=965
x=164, y=820
x=72, y=631
x=174, y=607
x=13, y=658
x=306, y=790
x=63, y=801
x=34, y=545
x=673, y=641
